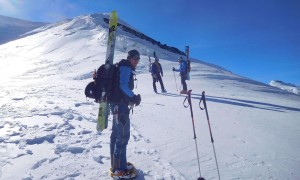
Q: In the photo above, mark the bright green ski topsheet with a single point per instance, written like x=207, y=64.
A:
x=104, y=108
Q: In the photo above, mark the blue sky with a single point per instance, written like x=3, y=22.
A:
x=258, y=39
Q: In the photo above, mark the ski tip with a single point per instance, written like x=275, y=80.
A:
x=114, y=16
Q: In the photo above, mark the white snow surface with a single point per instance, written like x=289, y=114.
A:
x=286, y=86
x=48, y=127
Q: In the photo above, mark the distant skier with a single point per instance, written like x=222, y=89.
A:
x=120, y=134
x=183, y=74
x=157, y=73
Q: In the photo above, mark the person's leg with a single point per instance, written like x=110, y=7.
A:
x=113, y=135
x=161, y=83
x=154, y=84
x=122, y=133
x=184, y=86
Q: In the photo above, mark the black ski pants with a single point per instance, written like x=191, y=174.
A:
x=156, y=78
x=183, y=79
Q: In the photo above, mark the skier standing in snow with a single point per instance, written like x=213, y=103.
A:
x=183, y=74
x=157, y=73
x=121, y=123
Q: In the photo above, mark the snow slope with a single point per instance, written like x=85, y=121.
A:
x=48, y=127
x=286, y=86
x=12, y=28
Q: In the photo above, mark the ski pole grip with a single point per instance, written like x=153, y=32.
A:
x=184, y=104
x=204, y=100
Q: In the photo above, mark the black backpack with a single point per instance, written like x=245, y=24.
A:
x=90, y=90
x=106, y=82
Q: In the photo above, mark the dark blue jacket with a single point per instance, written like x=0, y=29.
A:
x=156, y=68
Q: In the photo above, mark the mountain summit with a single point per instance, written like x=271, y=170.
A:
x=15, y=28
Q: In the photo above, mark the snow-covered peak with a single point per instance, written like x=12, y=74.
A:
x=99, y=22
x=86, y=22
x=83, y=22
x=286, y=86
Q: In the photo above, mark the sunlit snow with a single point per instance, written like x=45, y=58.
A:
x=48, y=127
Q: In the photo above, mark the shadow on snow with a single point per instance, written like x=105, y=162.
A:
x=246, y=103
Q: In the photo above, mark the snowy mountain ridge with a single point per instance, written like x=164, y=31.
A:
x=48, y=127
x=12, y=28
x=86, y=22
x=285, y=86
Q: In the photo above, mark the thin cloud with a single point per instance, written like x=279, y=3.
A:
x=9, y=7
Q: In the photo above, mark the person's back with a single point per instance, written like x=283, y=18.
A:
x=155, y=68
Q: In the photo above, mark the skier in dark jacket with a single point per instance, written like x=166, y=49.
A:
x=183, y=74
x=121, y=123
x=157, y=73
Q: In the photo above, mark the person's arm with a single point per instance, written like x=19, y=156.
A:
x=125, y=73
x=161, y=71
x=177, y=70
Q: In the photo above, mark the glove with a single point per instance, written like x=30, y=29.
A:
x=173, y=69
x=135, y=99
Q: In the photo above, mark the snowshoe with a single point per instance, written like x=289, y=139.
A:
x=127, y=174
x=130, y=173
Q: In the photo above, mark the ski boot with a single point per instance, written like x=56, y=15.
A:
x=130, y=167
x=183, y=92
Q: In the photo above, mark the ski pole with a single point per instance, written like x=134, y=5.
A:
x=211, y=136
x=175, y=81
x=191, y=108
